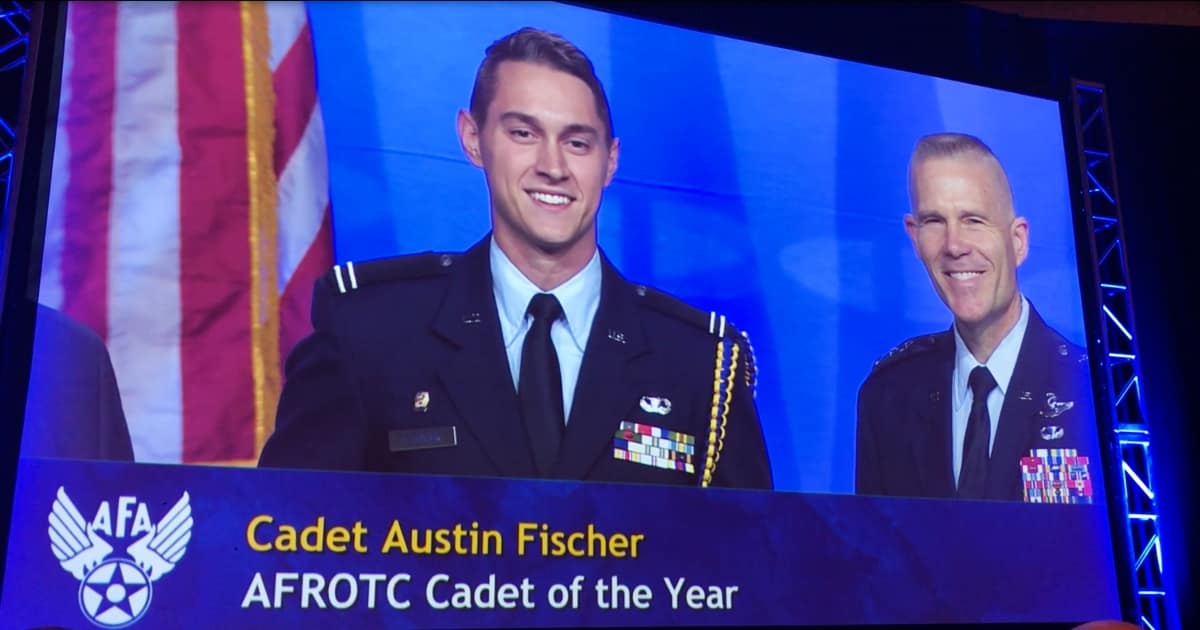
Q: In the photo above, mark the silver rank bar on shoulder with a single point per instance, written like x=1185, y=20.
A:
x=713, y=327
x=337, y=271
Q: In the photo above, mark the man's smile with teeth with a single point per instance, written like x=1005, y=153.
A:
x=550, y=198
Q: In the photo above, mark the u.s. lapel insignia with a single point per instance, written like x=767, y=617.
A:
x=1026, y=396
x=421, y=402
x=656, y=405
x=1052, y=432
x=616, y=335
x=471, y=318
x=1054, y=408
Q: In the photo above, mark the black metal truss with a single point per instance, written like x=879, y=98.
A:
x=1118, y=341
x=15, y=23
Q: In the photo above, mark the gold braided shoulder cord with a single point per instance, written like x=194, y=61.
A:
x=709, y=461
x=720, y=411
x=729, y=381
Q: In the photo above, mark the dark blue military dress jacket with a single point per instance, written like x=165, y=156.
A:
x=904, y=416
x=406, y=372
x=73, y=408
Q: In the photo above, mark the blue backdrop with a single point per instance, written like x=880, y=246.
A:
x=763, y=183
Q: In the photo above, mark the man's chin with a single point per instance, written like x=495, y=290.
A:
x=976, y=323
x=550, y=242
x=555, y=247
x=966, y=314
x=557, y=243
x=968, y=323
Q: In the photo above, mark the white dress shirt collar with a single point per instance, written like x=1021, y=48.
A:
x=579, y=296
x=1001, y=364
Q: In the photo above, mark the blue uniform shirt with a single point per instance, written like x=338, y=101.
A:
x=580, y=298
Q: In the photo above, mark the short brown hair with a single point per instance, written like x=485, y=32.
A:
x=536, y=46
x=948, y=145
x=955, y=146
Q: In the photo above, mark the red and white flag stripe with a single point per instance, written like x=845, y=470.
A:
x=301, y=167
x=155, y=236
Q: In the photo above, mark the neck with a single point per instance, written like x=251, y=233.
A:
x=982, y=338
x=547, y=269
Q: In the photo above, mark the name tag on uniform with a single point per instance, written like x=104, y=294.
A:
x=419, y=439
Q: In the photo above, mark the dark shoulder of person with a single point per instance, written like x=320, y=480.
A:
x=73, y=407
x=697, y=326
x=360, y=296
x=355, y=278
x=906, y=355
x=677, y=312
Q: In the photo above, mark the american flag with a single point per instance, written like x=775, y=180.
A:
x=189, y=212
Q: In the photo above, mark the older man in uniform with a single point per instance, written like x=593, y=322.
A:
x=999, y=406
x=529, y=355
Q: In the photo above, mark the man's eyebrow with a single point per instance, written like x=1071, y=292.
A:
x=926, y=213
x=522, y=118
x=526, y=119
x=580, y=128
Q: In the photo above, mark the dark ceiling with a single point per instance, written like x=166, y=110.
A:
x=1177, y=13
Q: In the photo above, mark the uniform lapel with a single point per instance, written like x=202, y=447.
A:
x=610, y=381
x=932, y=435
x=476, y=374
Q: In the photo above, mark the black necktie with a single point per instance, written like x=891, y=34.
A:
x=972, y=478
x=540, y=384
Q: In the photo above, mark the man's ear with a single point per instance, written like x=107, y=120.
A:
x=1020, y=238
x=910, y=226
x=468, y=137
x=614, y=154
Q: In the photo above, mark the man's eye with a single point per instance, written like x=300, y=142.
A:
x=579, y=145
x=521, y=134
x=931, y=221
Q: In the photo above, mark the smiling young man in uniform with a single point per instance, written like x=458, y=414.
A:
x=529, y=355
x=999, y=406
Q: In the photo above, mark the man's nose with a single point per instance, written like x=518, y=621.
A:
x=551, y=162
x=956, y=245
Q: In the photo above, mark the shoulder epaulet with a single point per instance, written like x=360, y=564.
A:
x=350, y=276
x=910, y=348
x=715, y=323
x=733, y=359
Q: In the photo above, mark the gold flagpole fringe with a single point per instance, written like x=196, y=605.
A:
x=263, y=224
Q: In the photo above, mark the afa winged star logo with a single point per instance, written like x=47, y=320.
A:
x=114, y=592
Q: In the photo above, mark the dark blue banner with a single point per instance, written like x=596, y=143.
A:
x=119, y=545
